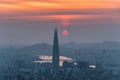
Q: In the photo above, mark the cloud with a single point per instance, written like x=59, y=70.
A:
x=23, y=1
x=62, y=12
x=63, y=4
x=57, y=9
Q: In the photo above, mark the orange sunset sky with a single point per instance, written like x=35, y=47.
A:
x=57, y=9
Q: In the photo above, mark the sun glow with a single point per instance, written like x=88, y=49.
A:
x=65, y=32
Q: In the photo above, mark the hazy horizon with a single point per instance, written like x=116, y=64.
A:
x=70, y=43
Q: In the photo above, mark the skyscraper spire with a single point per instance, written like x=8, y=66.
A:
x=55, y=50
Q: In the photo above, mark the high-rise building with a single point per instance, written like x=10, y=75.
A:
x=55, y=58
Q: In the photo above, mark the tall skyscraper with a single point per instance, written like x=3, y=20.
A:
x=55, y=58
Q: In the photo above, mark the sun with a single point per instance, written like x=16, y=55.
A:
x=65, y=32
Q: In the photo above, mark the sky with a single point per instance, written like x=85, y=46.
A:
x=33, y=21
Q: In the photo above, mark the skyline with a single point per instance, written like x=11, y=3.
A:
x=33, y=21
